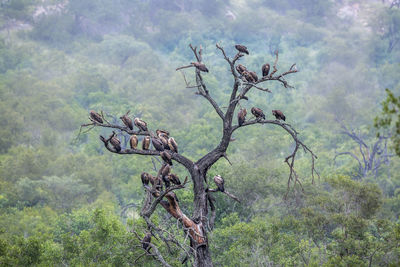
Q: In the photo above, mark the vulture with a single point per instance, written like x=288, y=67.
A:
x=173, y=146
x=158, y=145
x=142, y=125
x=96, y=116
x=156, y=182
x=146, y=143
x=200, y=66
x=165, y=170
x=166, y=157
x=248, y=77
x=253, y=75
x=242, y=48
x=145, y=178
x=219, y=181
x=258, y=113
x=127, y=121
x=115, y=143
x=158, y=132
x=174, y=178
x=240, y=68
x=164, y=139
x=265, y=69
x=242, y=116
x=133, y=141
x=278, y=114
x=146, y=242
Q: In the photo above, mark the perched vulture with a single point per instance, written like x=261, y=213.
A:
x=96, y=116
x=258, y=113
x=173, y=146
x=248, y=77
x=242, y=116
x=145, y=178
x=166, y=157
x=156, y=182
x=164, y=139
x=278, y=114
x=265, y=69
x=146, y=143
x=146, y=242
x=165, y=170
x=240, y=68
x=115, y=143
x=127, y=121
x=166, y=181
x=158, y=132
x=158, y=145
x=242, y=48
x=142, y=125
x=174, y=179
x=253, y=75
x=200, y=66
x=219, y=181
x=133, y=141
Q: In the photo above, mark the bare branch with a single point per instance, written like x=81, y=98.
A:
x=226, y=193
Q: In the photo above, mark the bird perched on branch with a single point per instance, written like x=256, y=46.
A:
x=165, y=170
x=240, y=68
x=96, y=116
x=158, y=145
x=133, y=141
x=164, y=139
x=248, y=77
x=115, y=142
x=173, y=146
x=145, y=178
x=158, y=132
x=278, y=114
x=254, y=76
x=146, y=242
x=166, y=157
x=242, y=49
x=219, y=181
x=265, y=69
x=127, y=121
x=242, y=116
x=142, y=125
x=146, y=143
x=174, y=179
x=200, y=66
x=258, y=113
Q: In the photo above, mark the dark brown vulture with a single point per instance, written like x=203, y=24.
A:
x=258, y=113
x=146, y=143
x=165, y=170
x=142, y=125
x=242, y=49
x=219, y=181
x=133, y=141
x=278, y=114
x=265, y=69
x=158, y=132
x=96, y=116
x=174, y=179
x=173, y=145
x=240, y=68
x=145, y=178
x=164, y=139
x=242, y=116
x=115, y=143
x=200, y=66
x=166, y=157
x=127, y=121
x=158, y=145
x=156, y=182
x=253, y=75
x=248, y=77
x=146, y=242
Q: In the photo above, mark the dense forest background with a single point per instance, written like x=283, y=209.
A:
x=65, y=201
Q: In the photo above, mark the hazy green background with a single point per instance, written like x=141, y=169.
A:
x=61, y=197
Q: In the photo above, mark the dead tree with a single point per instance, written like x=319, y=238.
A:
x=204, y=206
x=369, y=158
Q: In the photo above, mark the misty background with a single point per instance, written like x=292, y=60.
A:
x=60, y=59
